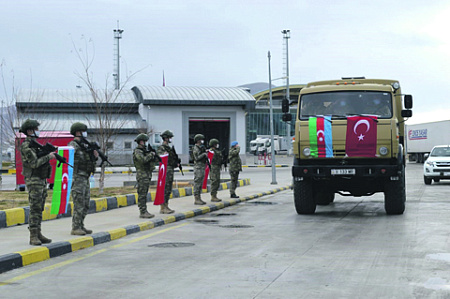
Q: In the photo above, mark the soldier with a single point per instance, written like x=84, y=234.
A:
x=144, y=161
x=36, y=171
x=235, y=167
x=172, y=163
x=84, y=166
x=200, y=156
x=214, y=174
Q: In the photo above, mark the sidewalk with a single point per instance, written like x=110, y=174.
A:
x=15, y=251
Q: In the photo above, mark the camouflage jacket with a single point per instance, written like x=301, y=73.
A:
x=83, y=164
x=171, y=160
x=235, y=160
x=32, y=165
x=200, y=156
x=143, y=160
x=217, y=158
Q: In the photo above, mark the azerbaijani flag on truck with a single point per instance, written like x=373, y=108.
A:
x=320, y=136
x=63, y=182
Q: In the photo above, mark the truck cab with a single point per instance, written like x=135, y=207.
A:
x=349, y=139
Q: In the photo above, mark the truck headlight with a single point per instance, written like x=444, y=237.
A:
x=383, y=151
x=307, y=151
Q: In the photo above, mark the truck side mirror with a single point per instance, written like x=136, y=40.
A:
x=285, y=105
x=406, y=113
x=408, y=102
x=287, y=117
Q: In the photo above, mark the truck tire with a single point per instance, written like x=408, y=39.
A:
x=395, y=195
x=323, y=197
x=303, y=197
x=427, y=181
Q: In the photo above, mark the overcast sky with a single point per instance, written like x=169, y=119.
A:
x=225, y=43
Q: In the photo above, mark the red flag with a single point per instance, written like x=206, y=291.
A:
x=205, y=179
x=361, y=136
x=160, y=188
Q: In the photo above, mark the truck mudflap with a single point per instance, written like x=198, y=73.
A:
x=347, y=171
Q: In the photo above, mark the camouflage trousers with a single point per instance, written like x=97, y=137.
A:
x=214, y=175
x=81, y=195
x=142, y=190
x=234, y=175
x=169, y=184
x=199, y=175
x=37, y=193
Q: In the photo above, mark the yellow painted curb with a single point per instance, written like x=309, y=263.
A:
x=34, y=255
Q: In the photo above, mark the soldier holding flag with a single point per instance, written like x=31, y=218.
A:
x=172, y=163
x=144, y=161
x=36, y=171
x=216, y=164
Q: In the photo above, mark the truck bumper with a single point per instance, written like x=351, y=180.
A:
x=347, y=171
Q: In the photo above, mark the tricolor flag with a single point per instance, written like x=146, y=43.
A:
x=320, y=137
x=63, y=182
x=205, y=179
x=160, y=188
x=361, y=138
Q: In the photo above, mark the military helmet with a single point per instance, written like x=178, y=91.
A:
x=213, y=142
x=198, y=137
x=77, y=127
x=140, y=137
x=167, y=134
x=29, y=124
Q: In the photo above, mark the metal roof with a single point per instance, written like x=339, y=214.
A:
x=205, y=96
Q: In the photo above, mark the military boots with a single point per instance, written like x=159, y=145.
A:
x=78, y=232
x=165, y=209
x=146, y=214
x=198, y=200
x=42, y=238
x=34, y=237
x=87, y=231
x=214, y=198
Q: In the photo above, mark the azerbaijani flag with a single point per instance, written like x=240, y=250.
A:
x=205, y=179
x=161, y=187
x=320, y=137
x=63, y=182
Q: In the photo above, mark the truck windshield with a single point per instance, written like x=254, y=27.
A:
x=340, y=104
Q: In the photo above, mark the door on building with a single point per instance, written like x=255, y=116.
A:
x=218, y=128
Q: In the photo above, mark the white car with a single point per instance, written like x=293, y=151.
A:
x=437, y=166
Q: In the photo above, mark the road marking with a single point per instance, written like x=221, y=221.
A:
x=74, y=260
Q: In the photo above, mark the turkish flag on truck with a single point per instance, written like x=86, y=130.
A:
x=160, y=188
x=361, y=138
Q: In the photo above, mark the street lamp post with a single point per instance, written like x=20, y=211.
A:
x=272, y=143
x=286, y=36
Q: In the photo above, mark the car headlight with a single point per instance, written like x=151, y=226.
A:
x=307, y=151
x=383, y=151
x=431, y=164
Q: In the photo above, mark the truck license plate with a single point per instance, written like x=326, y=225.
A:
x=350, y=171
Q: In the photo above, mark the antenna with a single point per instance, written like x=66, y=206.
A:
x=116, y=57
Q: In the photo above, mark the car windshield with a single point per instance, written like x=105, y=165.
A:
x=440, y=152
x=341, y=104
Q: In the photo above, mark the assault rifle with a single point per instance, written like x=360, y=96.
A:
x=177, y=159
x=150, y=149
x=93, y=146
x=46, y=149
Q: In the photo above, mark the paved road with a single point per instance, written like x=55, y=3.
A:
x=350, y=249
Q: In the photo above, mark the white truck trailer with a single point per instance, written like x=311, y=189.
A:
x=421, y=138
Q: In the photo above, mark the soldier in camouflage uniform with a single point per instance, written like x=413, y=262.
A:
x=84, y=166
x=144, y=161
x=172, y=163
x=235, y=167
x=200, y=156
x=214, y=174
x=36, y=172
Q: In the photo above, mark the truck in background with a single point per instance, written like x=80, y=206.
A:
x=349, y=139
x=262, y=144
x=421, y=138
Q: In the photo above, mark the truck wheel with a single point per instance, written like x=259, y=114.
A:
x=395, y=195
x=427, y=181
x=303, y=197
x=323, y=197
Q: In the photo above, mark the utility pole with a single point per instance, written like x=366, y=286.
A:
x=117, y=37
x=272, y=142
x=286, y=36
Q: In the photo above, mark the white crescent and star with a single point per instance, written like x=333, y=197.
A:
x=64, y=183
x=320, y=137
x=361, y=122
x=162, y=171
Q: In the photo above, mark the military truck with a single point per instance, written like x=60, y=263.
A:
x=349, y=139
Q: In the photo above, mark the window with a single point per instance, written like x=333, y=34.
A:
x=127, y=145
x=110, y=145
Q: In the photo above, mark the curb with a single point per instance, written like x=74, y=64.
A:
x=35, y=255
x=17, y=216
